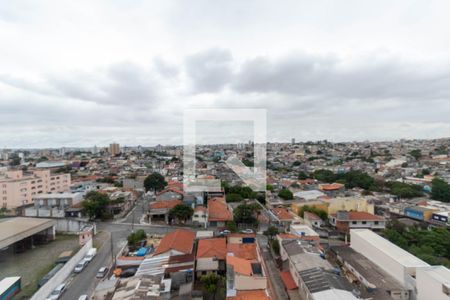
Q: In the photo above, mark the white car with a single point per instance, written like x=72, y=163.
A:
x=57, y=292
x=80, y=266
x=90, y=255
x=247, y=231
x=83, y=297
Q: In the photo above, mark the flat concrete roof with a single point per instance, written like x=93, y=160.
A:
x=15, y=229
x=403, y=257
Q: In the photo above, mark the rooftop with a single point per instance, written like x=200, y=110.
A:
x=216, y=247
x=402, y=256
x=16, y=229
x=180, y=240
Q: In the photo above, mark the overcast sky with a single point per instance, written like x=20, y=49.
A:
x=84, y=73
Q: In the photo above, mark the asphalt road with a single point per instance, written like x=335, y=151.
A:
x=85, y=282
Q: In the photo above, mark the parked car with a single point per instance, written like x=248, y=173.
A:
x=247, y=231
x=90, y=255
x=80, y=266
x=224, y=232
x=83, y=297
x=102, y=272
x=57, y=292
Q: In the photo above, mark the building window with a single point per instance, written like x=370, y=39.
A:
x=354, y=222
x=376, y=222
x=364, y=222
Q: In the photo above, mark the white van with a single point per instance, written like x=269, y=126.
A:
x=90, y=255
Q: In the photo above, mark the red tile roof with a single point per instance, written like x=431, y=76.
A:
x=180, y=240
x=250, y=295
x=288, y=281
x=170, y=189
x=240, y=265
x=283, y=214
x=200, y=208
x=218, y=210
x=245, y=251
x=165, y=204
x=331, y=187
x=216, y=247
x=311, y=216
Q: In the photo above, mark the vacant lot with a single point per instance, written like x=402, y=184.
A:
x=33, y=264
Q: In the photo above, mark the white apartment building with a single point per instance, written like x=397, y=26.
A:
x=18, y=188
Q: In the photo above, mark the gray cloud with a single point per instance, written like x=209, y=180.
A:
x=210, y=70
x=329, y=76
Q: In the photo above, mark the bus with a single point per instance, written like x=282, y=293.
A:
x=9, y=287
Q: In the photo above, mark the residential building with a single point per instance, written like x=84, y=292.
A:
x=159, y=210
x=244, y=275
x=285, y=216
x=178, y=242
x=211, y=254
x=54, y=205
x=114, y=149
x=218, y=212
x=375, y=283
x=346, y=220
x=312, y=220
x=18, y=188
x=311, y=273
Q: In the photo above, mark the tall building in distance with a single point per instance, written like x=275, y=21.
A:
x=293, y=141
x=114, y=149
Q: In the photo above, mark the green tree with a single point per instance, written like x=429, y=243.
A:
x=302, y=176
x=95, y=204
x=271, y=232
x=136, y=237
x=211, y=283
x=14, y=160
x=245, y=213
x=269, y=187
x=416, y=153
x=319, y=212
x=440, y=190
x=405, y=190
x=181, y=212
x=231, y=226
x=324, y=175
x=275, y=246
x=154, y=182
x=233, y=198
x=286, y=194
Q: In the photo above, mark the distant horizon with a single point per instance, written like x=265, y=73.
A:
x=217, y=144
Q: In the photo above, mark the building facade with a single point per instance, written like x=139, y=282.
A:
x=18, y=188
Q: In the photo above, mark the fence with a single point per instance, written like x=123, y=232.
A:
x=62, y=274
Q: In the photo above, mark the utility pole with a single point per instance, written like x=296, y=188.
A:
x=112, y=250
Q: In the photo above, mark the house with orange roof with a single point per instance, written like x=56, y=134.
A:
x=332, y=189
x=346, y=220
x=159, y=210
x=178, y=242
x=285, y=216
x=250, y=295
x=245, y=251
x=169, y=193
x=211, y=254
x=311, y=219
x=218, y=212
x=244, y=275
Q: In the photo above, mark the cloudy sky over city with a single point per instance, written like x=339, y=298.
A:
x=84, y=73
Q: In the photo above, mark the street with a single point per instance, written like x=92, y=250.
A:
x=85, y=282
